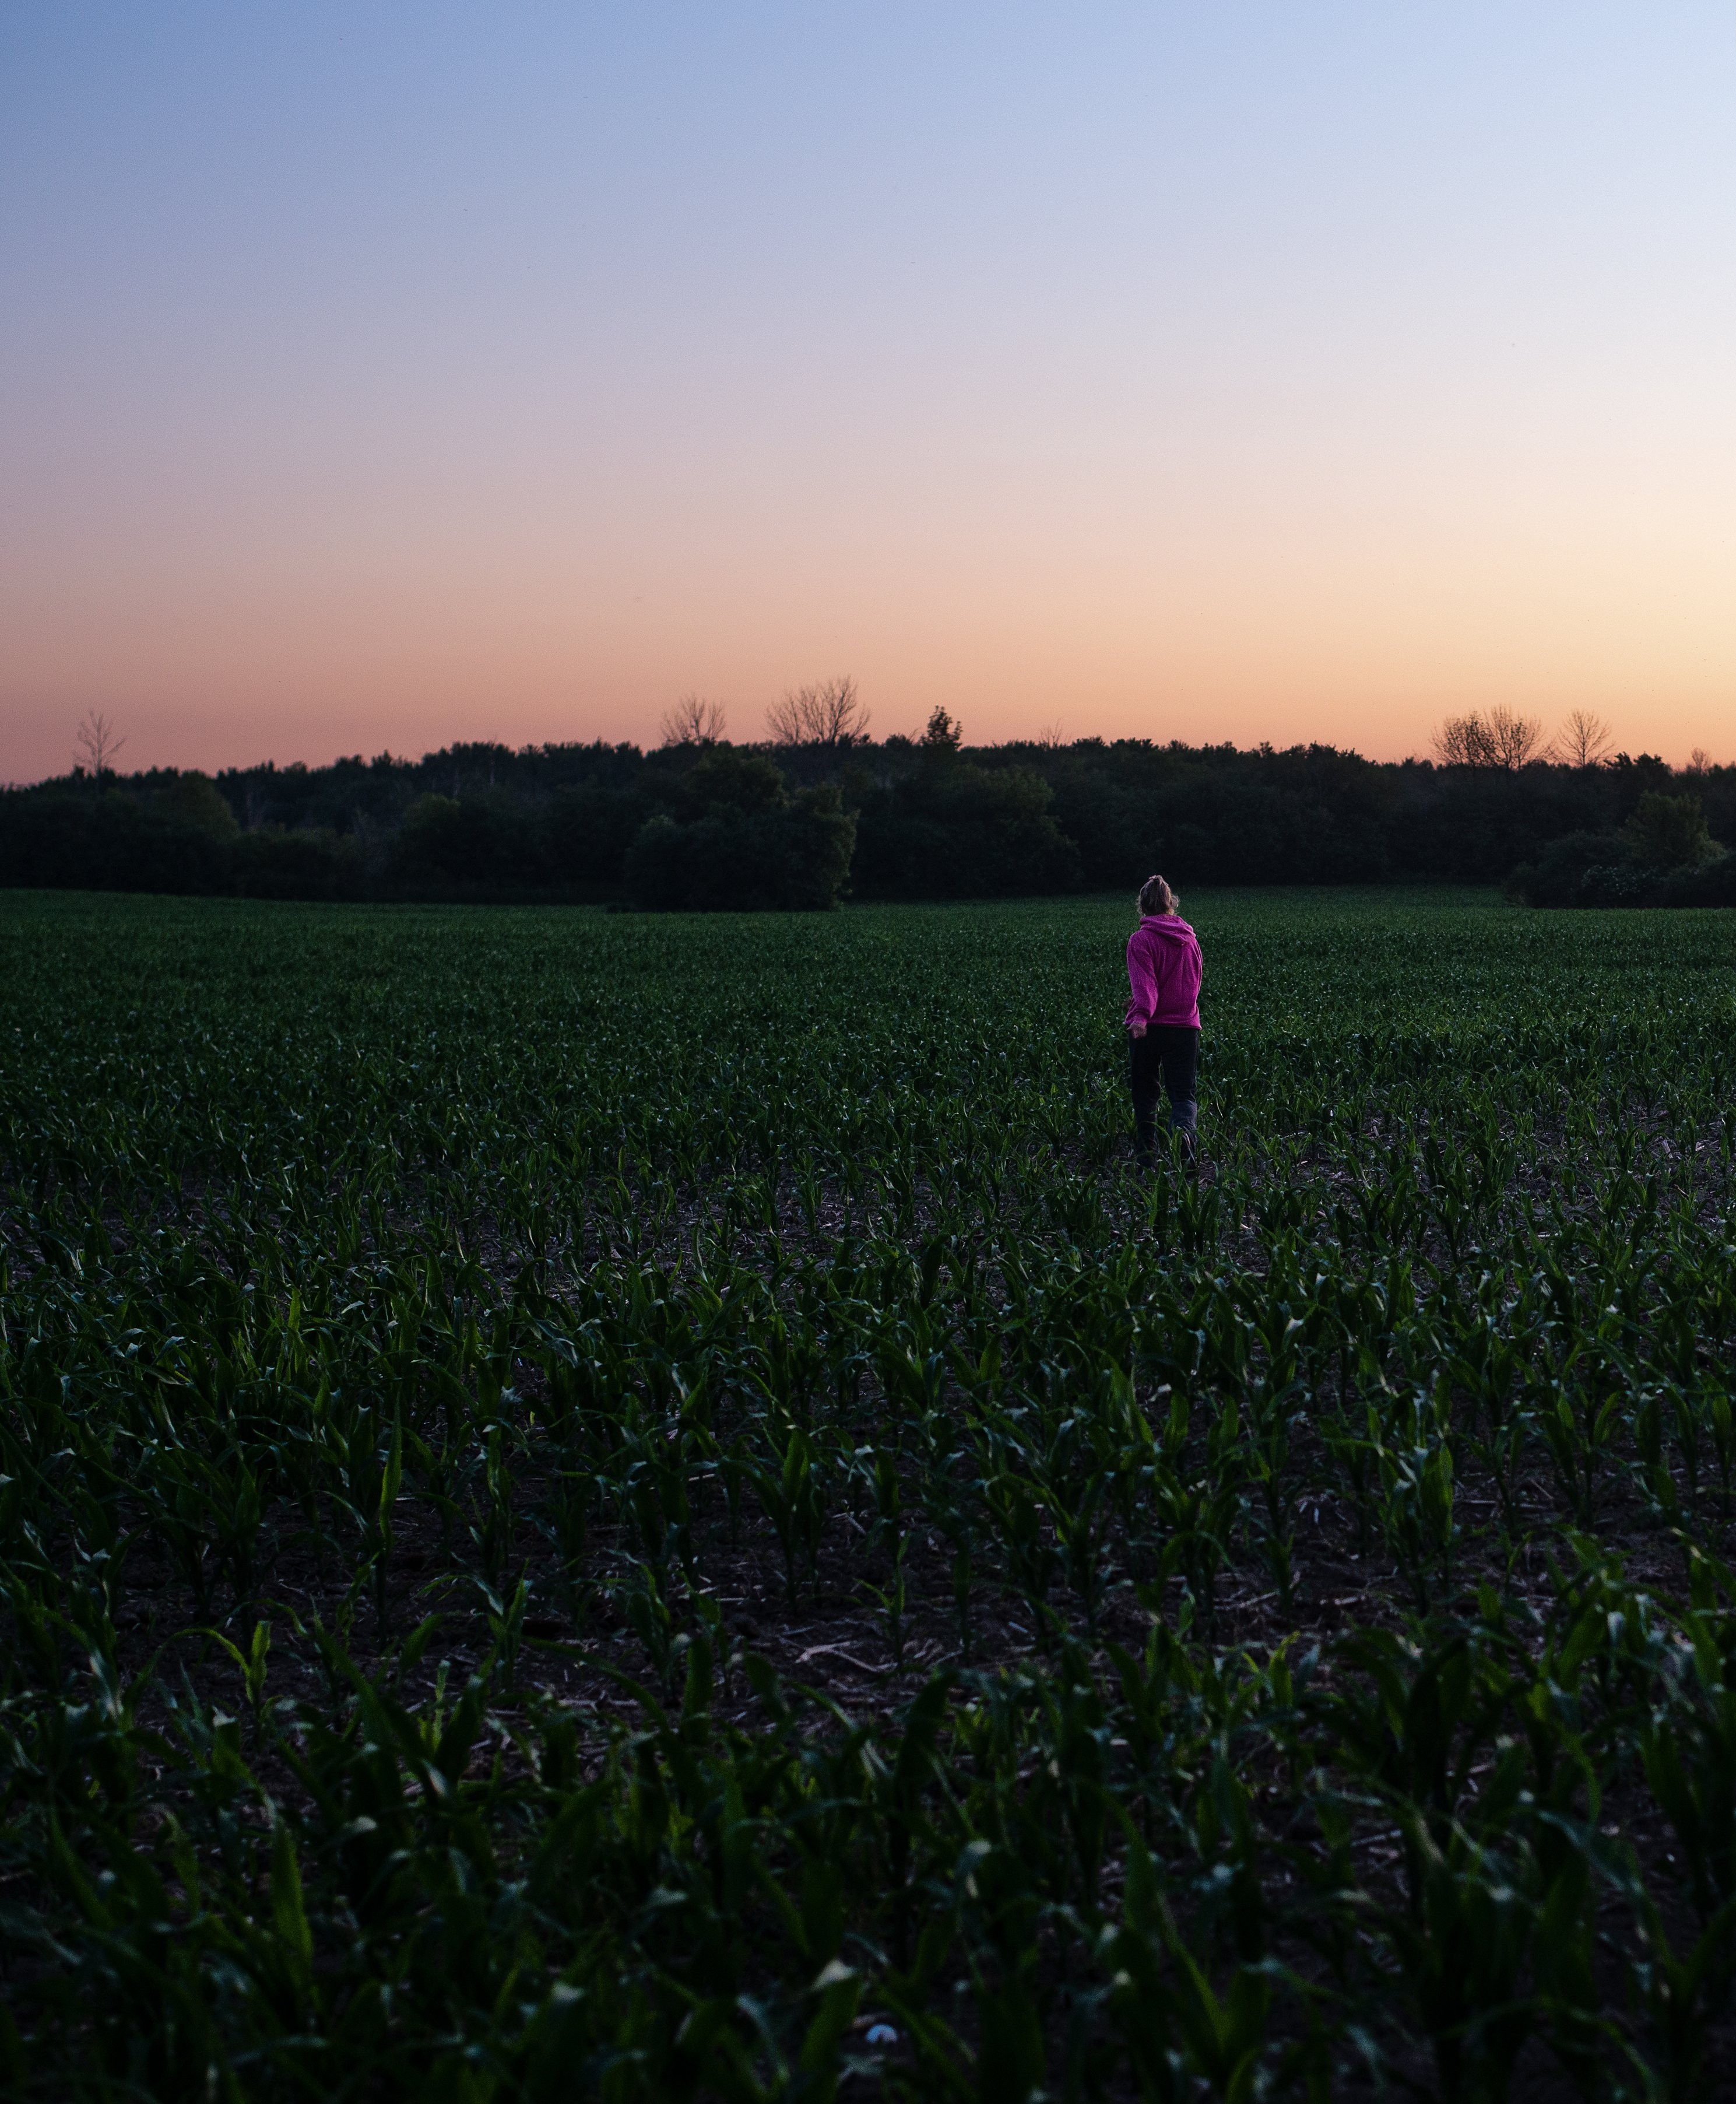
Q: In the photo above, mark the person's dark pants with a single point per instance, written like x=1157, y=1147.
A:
x=1166, y=1058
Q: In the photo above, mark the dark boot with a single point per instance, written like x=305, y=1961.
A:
x=1145, y=1133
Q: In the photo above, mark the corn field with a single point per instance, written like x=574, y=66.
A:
x=603, y=1508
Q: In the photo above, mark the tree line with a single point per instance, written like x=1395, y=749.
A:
x=819, y=810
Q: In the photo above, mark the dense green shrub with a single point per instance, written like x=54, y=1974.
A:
x=469, y=843
x=1621, y=883
x=795, y=855
x=732, y=780
x=1669, y=832
x=274, y=862
x=1654, y=860
x=587, y=831
x=1710, y=884
x=193, y=798
x=1556, y=877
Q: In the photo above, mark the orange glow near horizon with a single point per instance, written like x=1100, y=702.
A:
x=1364, y=647
x=1248, y=381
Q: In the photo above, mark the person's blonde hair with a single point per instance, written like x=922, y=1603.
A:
x=1155, y=897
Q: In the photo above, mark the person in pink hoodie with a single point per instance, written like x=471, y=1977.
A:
x=1163, y=1018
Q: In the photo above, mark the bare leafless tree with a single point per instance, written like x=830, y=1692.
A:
x=98, y=743
x=1501, y=738
x=830, y=715
x=1051, y=738
x=1582, y=741
x=1463, y=742
x=1517, y=740
x=1699, y=761
x=693, y=720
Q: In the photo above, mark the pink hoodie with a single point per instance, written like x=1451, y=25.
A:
x=1164, y=969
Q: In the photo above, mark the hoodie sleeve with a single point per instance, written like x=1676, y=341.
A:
x=1141, y=1000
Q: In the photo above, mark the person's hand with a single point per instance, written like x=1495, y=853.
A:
x=1136, y=1030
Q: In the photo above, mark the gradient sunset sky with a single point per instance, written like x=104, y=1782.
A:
x=374, y=377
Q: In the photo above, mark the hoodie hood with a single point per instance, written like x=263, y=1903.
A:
x=1170, y=925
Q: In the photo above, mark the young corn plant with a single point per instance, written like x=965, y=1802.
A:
x=1412, y=1452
